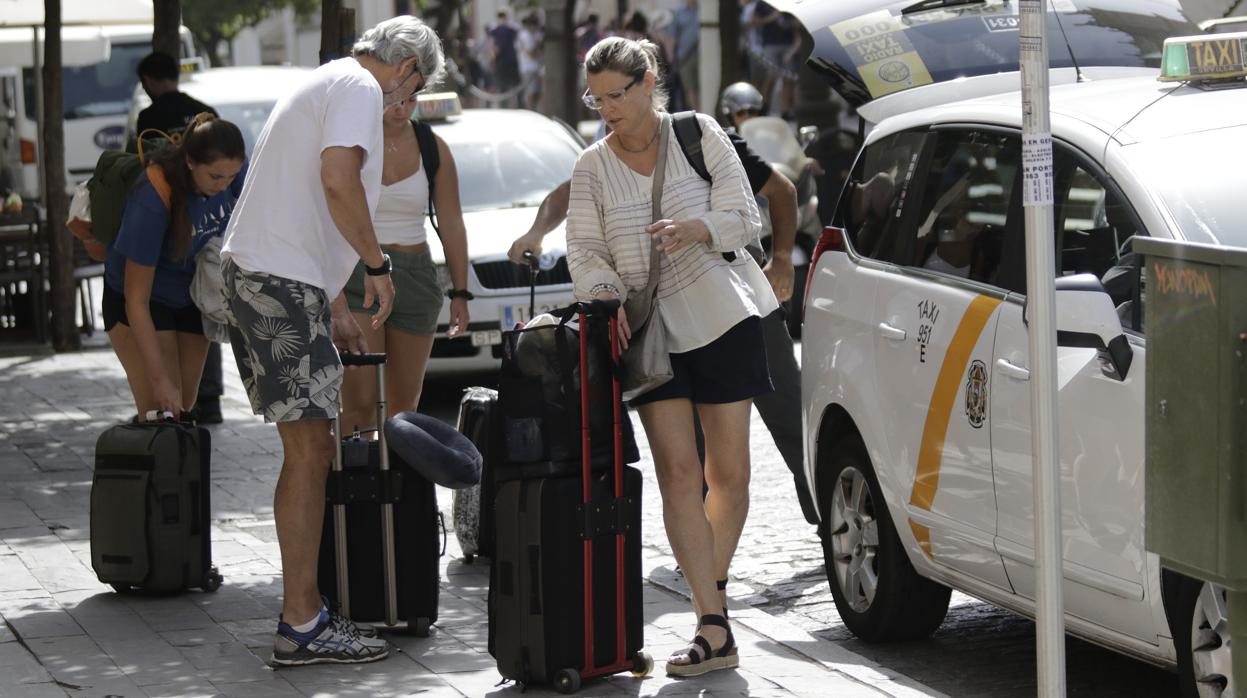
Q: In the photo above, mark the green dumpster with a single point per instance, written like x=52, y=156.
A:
x=1196, y=431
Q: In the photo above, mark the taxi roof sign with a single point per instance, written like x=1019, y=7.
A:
x=1199, y=58
x=437, y=106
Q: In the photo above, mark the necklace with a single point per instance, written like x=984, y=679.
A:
x=643, y=148
x=391, y=148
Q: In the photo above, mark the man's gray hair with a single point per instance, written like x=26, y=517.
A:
x=395, y=40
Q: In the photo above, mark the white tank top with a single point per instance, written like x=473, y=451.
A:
x=402, y=209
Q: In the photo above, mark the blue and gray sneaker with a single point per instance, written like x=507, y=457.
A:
x=333, y=640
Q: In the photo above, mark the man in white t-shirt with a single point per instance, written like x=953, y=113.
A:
x=303, y=221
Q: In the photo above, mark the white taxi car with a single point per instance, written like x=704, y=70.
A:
x=244, y=95
x=915, y=356
x=508, y=161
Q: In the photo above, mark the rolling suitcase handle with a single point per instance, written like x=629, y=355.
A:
x=387, y=508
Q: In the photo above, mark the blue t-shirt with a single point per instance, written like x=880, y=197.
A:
x=143, y=238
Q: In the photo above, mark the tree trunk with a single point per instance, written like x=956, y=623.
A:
x=167, y=19
x=60, y=241
x=561, y=76
x=729, y=36
x=330, y=30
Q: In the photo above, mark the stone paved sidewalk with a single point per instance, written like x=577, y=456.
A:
x=64, y=633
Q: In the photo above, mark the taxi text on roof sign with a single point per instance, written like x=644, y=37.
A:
x=436, y=106
x=1195, y=58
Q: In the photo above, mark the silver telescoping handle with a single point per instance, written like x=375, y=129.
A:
x=339, y=527
x=387, y=509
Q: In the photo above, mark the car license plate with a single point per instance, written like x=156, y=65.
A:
x=510, y=315
x=486, y=338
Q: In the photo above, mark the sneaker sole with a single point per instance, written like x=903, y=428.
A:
x=276, y=661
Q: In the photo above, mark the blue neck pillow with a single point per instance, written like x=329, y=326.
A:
x=434, y=449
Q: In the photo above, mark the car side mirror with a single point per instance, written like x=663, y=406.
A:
x=1086, y=317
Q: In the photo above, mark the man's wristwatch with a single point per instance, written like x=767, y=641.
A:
x=381, y=270
x=460, y=293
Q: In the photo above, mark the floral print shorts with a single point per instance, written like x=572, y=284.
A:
x=279, y=329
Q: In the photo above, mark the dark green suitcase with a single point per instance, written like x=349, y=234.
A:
x=150, y=513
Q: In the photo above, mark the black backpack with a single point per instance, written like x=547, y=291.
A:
x=430, y=160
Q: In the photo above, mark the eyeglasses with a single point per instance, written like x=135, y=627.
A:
x=615, y=97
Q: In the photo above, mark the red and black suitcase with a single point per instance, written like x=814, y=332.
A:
x=565, y=585
x=382, y=535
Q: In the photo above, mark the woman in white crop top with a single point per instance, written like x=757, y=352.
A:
x=401, y=229
x=711, y=298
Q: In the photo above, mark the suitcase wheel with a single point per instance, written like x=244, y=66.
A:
x=212, y=580
x=419, y=626
x=642, y=664
x=567, y=681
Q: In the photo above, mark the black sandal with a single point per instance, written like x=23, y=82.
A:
x=722, y=585
x=702, y=658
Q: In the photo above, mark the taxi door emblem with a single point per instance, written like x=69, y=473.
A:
x=976, y=393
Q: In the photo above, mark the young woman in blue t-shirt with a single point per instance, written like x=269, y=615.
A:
x=184, y=198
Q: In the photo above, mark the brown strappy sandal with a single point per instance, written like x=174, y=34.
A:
x=704, y=659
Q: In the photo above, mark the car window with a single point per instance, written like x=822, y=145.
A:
x=1093, y=230
x=511, y=169
x=250, y=119
x=961, y=222
x=870, y=204
x=99, y=89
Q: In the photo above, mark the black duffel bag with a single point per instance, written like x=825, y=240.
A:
x=539, y=395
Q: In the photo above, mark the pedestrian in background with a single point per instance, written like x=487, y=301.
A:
x=304, y=221
x=184, y=197
x=687, y=30
x=503, y=37
x=407, y=336
x=170, y=111
x=709, y=308
x=529, y=46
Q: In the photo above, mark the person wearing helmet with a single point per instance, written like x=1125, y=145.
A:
x=740, y=102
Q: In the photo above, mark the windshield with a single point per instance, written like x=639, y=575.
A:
x=518, y=171
x=1207, y=208
x=249, y=118
x=870, y=55
x=100, y=89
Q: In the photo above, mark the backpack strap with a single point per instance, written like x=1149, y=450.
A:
x=688, y=133
x=430, y=160
x=156, y=176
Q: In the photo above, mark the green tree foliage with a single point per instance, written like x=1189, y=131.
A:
x=215, y=21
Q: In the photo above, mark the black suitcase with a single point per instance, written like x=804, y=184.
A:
x=473, y=512
x=381, y=539
x=150, y=512
x=565, y=584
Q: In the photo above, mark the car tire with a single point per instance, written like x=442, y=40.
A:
x=1201, y=639
x=877, y=592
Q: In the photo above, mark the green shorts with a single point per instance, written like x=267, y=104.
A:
x=418, y=295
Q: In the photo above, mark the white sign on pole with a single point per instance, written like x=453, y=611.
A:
x=1037, y=169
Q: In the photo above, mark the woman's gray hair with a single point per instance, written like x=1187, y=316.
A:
x=631, y=57
x=395, y=40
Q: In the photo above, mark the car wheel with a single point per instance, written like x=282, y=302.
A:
x=877, y=592
x=1202, y=640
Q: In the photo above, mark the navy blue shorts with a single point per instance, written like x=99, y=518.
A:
x=729, y=369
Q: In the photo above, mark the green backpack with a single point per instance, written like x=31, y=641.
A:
x=116, y=173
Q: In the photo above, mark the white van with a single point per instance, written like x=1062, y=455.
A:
x=97, y=97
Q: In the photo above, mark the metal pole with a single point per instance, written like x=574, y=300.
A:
x=339, y=527
x=1041, y=307
x=40, y=145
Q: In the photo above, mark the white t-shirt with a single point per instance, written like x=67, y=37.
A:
x=281, y=225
